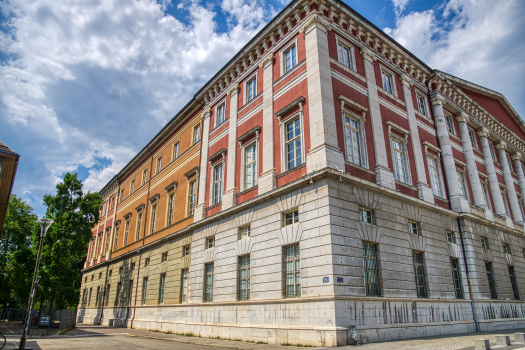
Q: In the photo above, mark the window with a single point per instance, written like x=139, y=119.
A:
x=130, y=292
x=106, y=298
x=126, y=233
x=153, y=218
x=97, y=296
x=210, y=242
x=89, y=298
x=462, y=184
x=450, y=124
x=176, y=151
x=456, y=277
x=164, y=257
x=293, y=144
x=106, y=247
x=513, y=283
x=144, y=291
x=110, y=273
x=365, y=215
x=171, y=203
x=196, y=134
x=344, y=55
x=490, y=277
x=139, y=223
x=144, y=176
x=104, y=210
x=146, y=262
x=221, y=114
x=117, y=295
x=413, y=228
x=505, y=203
x=421, y=104
x=184, y=286
x=506, y=249
x=484, y=243
x=435, y=178
x=371, y=269
x=132, y=187
x=451, y=237
x=250, y=166
x=290, y=58
x=162, y=284
x=398, y=152
x=473, y=138
x=192, y=196
x=486, y=194
x=520, y=203
x=132, y=266
x=353, y=140
x=292, y=271
x=509, y=161
x=217, y=184
x=291, y=217
x=121, y=269
x=492, y=152
x=419, y=271
x=159, y=164
x=244, y=278
x=121, y=195
x=251, y=89
x=244, y=232
x=388, y=82
x=208, y=282
x=100, y=275
x=112, y=205
x=186, y=250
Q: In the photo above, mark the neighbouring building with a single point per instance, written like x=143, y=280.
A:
x=8, y=166
x=324, y=182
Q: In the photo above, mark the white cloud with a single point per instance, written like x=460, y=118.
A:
x=478, y=40
x=399, y=6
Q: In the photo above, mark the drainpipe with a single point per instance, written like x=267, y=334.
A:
x=458, y=221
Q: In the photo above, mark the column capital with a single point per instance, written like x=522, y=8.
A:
x=207, y=112
x=318, y=21
x=234, y=89
x=406, y=80
x=462, y=117
x=517, y=156
x=501, y=145
x=368, y=54
x=483, y=132
x=437, y=100
x=267, y=60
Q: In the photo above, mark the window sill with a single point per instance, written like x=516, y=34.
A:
x=360, y=167
x=406, y=185
x=249, y=102
x=291, y=170
x=392, y=96
x=214, y=206
x=219, y=125
x=248, y=190
x=347, y=69
x=290, y=72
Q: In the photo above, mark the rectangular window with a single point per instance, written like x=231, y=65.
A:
x=132, y=187
x=130, y=292
x=510, y=162
x=250, y=166
x=365, y=215
x=251, y=89
x=210, y=242
x=192, y=196
x=132, y=266
x=462, y=185
x=89, y=298
x=106, y=298
x=164, y=257
x=486, y=194
x=159, y=164
x=291, y=217
x=398, y=150
x=290, y=58
x=144, y=176
x=484, y=243
x=197, y=134
x=97, y=296
x=176, y=151
x=153, y=218
x=104, y=210
x=520, y=203
x=244, y=277
x=506, y=248
x=171, y=204
x=451, y=237
x=293, y=144
x=371, y=269
x=106, y=246
x=217, y=183
x=450, y=124
x=505, y=203
x=221, y=114
x=139, y=224
x=456, y=277
x=186, y=250
x=121, y=195
x=117, y=296
x=184, y=286
x=473, y=139
x=413, y=228
x=344, y=55
x=126, y=233
x=434, y=176
x=419, y=271
x=292, y=271
x=144, y=291
x=146, y=262
x=388, y=82
x=162, y=285
x=244, y=232
x=208, y=282
x=492, y=152
x=353, y=140
x=490, y=277
x=513, y=283
x=422, y=104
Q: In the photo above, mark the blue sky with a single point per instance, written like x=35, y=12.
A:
x=85, y=85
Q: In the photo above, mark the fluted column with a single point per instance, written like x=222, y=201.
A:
x=203, y=170
x=230, y=194
x=457, y=202
x=509, y=182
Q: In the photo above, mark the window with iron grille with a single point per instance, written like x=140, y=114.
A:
x=513, y=283
x=456, y=277
x=490, y=278
x=292, y=271
x=291, y=217
x=162, y=285
x=244, y=277
x=184, y=286
x=365, y=215
x=371, y=269
x=419, y=271
x=144, y=290
x=208, y=282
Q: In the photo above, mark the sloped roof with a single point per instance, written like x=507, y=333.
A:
x=4, y=148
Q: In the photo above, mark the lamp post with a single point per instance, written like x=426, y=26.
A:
x=44, y=226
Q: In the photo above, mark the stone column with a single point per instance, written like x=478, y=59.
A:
x=203, y=170
x=477, y=189
x=509, y=182
x=230, y=194
x=495, y=190
x=267, y=180
x=516, y=158
x=384, y=176
x=457, y=202
x=324, y=151
x=425, y=191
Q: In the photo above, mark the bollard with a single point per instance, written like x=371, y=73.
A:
x=503, y=340
x=482, y=344
x=519, y=337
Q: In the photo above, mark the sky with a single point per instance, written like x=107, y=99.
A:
x=86, y=84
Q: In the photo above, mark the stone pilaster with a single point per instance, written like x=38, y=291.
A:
x=230, y=194
x=324, y=151
x=509, y=182
x=267, y=180
x=384, y=176
x=203, y=170
x=516, y=158
x=457, y=202
x=425, y=191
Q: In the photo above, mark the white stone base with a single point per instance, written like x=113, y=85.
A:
x=459, y=204
x=229, y=199
x=267, y=181
x=324, y=156
x=385, y=177
x=199, y=212
x=425, y=193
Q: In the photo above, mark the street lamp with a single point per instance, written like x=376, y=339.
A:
x=44, y=226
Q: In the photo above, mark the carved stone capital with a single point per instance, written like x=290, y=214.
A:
x=368, y=54
x=234, y=89
x=438, y=100
x=267, y=60
x=483, y=132
x=462, y=117
x=207, y=112
x=406, y=80
x=516, y=156
x=501, y=145
x=318, y=21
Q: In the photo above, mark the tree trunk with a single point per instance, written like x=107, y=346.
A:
x=41, y=304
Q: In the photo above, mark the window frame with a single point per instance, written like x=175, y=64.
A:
x=493, y=153
x=126, y=232
x=244, y=167
x=196, y=133
x=472, y=137
x=351, y=53
x=296, y=271
x=208, y=281
x=452, y=236
x=414, y=228
x=159, y=165
x=362, y=216
x=216, y=199
x=295, y=218
x=486, y=193
x=422, y=96
x=184, y=285
x=210, y=242
x=154, y=208
x=139, y=224
x=241, y=233
x=218, y=107
x=240, y=278
x=144, y=290
x=385, y=71
x=514, y=283
x=162, y=287
x=449, y=122
x=191, y=204
x=284, y=142
x=164, y=257
x=423, y=275
x=186, y=250
x=369, y=291
x=176, y=150
x=462, y=184
x=492, y=282
x=144, y=176
x=284, y=51
x=361, y=138
x=406, y=160
x=253, y=77
x=484, y=242
x=456, y=278
x=439, y=175
x=132, y=187
x=170, y=208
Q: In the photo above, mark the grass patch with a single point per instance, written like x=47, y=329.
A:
x=189, y=335
x=169, y=332
x=261, y=342
x=286, y=344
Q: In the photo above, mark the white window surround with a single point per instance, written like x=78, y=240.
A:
x=216, y=112
x=472, y=135
x=244, y=147
x=462, y=173
x=282, y=57
x=176, y=150
x=282, y=124
x=486, y=192
x=212, y=170
x=245, y=87
x=362, y=137
x=351, y=50
x=437, y=160
x=404, y=143
x=384, y=69
x=450, y=123
x=425, y=99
